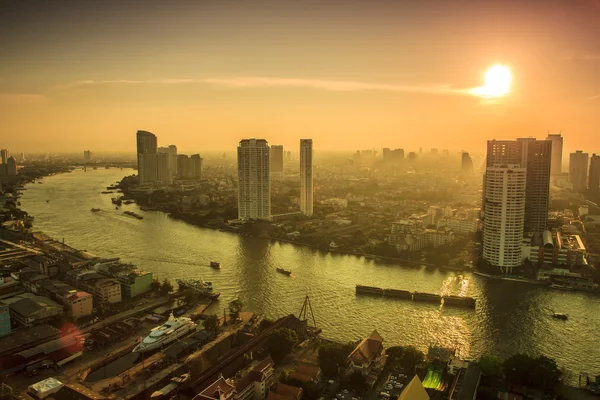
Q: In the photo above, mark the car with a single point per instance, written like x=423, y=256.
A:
x=339, y=396
x=331, y=382
x=345, y=391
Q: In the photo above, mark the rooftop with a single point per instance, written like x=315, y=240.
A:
x=28, y=336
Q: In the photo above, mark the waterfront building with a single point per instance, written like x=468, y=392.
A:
x=255, y=381
x=306, y=177
x=578, y=170
x=155, y=168
x=534, y=155
x=196, y=166
x=594, y=176
x=557, y=149
x=466, y=163
x=27, y=309
x=504, y=215
x=556, y=249
x=219, y=390
x=5, y=328
x=184, y=170
x=103, y=289
x=276, y=159
x=4, y=154
x=146, y=144
x=11, y=166
x=163, y=169
x=460, y=226
x=367, y=357
x=77, y=303
x=412, y=157
x=134, y=282
x=254, y=180
x=87, y=155
x=171, y=152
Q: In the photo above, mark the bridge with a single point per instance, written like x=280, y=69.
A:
x=105, y=164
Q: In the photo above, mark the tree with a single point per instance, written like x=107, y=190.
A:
x=166, y=287
x=155, y=285
x=358, y=382
x=393, y=355
x=280, y=343
x=264, y=324
x=211, y=323
x=410, y=358
x=491, y=366
x=332, y=357
x=235, y=307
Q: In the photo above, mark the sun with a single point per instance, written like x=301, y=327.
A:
x=497, y=82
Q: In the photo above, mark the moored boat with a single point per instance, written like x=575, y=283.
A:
x=95, y=209
x=168, y=332
x=560, y=316
x=214, y=264
x=283, y=271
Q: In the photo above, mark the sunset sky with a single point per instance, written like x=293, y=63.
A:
x=348, y=74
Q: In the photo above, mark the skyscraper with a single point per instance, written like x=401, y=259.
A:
x=467, y=163
x=171, y=151
x=254, y=179
x=594, y=180
x=196, y=166
x=148, y=169
x=184, y=167
x=87, y=155
x=504, y=215
x=163, y=170
x=4, y=154
x=557, y=148
x=306, y=176
x=578, y=169
x=146, y=144
x=276, y=160
x=535, y=156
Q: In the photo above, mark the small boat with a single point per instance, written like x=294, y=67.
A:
x=40, y=182
x=132, y=214
x=564, y=317
x=106, y=192
x=214, y=264
x=561, y=287
x=95, y=209
x=47, y=201
x=283, y=271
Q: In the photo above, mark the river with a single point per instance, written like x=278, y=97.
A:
x=510, y=316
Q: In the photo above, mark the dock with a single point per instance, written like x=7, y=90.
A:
x=449, y=300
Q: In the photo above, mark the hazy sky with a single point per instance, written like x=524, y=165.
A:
x=349, y=74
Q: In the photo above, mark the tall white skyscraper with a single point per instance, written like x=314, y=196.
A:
x=306, y=176
x=504, y=215
x=4, y=154
x=172, y=153
x=254, y=179
x=557, y=149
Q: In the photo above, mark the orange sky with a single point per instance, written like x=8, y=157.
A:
x=349, y=74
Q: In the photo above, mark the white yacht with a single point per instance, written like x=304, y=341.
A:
x=162, y=335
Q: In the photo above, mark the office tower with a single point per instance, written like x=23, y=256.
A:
x=504, y=215
x=87, y=155
x=578, y=169
x=184, y=167
x=4, y=154
x=171, y=151
x=434, y=152
x=535, y=156
x=148, y=169
x=306, y=177
x=557, y=149
x=594, y=179
x=196, y=166
x=22, y=156
x=11, y=166
x=467, y=163
x=254, y=179
x=276, y=160
x=146, y=144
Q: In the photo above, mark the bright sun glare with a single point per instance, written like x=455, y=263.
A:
x=497, y=82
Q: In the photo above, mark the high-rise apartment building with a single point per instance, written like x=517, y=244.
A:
x=22, y=157
x=196, y=166
x=306, y=176
x=148, y=169
x=184, y=167
x=276, y=160
x=578, y=169
x=254, y=179
x=594, y=177
x=146, y=144
x=504, y=215
x=11, y=166
x=557, y=149
x=4, y=154
x=535, y=156
x=87, y=155
x=163, y=169
x=466, y=163
x=171, y=151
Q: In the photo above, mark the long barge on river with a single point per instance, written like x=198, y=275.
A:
x=457, y=301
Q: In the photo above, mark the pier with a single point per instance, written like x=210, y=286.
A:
x=455, y=301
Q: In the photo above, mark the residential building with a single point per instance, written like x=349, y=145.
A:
x=184, y=167
x=4, y=154
x=287, y=392
x=306, y=176
x=104, y=290
x=87, y=155
x=11, y=166
x=367, y=357
x=276, y=161
x=146, y=144
x=460, y=226
x=467, y=163
x=307, y=373
x=134, y=282
x=148, y=168
x=534, y=155
x=77, y=303
x=163, y=169
x=196, y=166
x=5, y=328
x=578, y=169
x=504, y=215
x=254, y=180
x=557, y=149
x=219, y=390
x=171, y=152
x=594, y=176
x=27, y=309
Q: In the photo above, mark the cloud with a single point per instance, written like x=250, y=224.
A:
x=21, y=98
x=581, y=56
x=594, y=97
x=255, y=82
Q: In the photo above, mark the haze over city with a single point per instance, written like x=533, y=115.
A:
x=351, y=74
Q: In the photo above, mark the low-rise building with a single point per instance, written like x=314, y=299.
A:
x=219, y=390
x=77, y=303
x=28, y=309
x=367, y=357
x=133, y=281
x=103, y=289
x=556, y=249
x=5, y=328
x=307, y=373
x=255, y=384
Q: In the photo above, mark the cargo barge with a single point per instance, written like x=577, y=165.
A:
x=397, y=293
x=434, y=298
x=360, y=289
x=459, y=301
